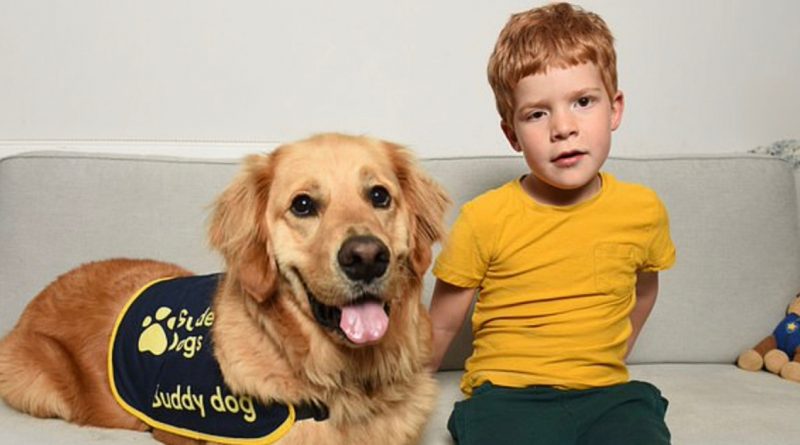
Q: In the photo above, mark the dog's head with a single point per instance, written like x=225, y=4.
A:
x=339, y=223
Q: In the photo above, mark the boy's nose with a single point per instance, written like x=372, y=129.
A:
x=562, y=126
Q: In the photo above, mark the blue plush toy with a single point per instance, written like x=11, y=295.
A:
x=779, y=352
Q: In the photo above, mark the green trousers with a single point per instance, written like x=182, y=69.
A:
x=627, y=414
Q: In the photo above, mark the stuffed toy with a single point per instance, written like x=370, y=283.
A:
x=779, y=352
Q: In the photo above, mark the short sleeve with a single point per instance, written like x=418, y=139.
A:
x=462, y=262
x=661, y=251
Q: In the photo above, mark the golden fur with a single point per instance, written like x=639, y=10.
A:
x=267, y=341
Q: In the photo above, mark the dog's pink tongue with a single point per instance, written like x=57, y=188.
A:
x=364, y=323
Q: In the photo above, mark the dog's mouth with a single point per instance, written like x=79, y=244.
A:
x=361, y=322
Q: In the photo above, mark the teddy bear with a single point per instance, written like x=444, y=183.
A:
x=780, y=351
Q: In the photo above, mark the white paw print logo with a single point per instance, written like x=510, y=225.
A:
x=154, y=338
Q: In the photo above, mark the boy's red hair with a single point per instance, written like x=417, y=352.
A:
x=558, y=35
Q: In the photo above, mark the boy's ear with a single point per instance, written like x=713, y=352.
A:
x=511, y=136
x=617, y=107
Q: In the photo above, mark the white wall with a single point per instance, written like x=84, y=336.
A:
x=699, y=76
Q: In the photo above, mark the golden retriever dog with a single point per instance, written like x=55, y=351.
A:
x=325, y=243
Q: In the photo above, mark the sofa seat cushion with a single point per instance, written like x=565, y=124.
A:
x=709, y=404
x=722, y=404
x=18, y=428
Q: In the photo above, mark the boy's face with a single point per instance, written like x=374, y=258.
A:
x=563, y=121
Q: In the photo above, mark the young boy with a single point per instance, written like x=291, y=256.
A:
x=566, y=258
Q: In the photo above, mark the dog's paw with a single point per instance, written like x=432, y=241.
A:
x=154, y=338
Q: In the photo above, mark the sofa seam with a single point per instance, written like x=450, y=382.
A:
x=157, y=158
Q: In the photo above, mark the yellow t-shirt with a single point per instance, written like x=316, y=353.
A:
x=557, y=284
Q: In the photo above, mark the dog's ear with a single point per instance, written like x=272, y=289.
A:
x=238, y=228
x=427, y=203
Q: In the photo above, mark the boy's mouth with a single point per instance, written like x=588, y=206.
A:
x=568, y=158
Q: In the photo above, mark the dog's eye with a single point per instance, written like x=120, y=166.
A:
x=380, y=197
x=303, y=206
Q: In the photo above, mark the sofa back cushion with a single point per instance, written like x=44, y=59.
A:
x=734, y=224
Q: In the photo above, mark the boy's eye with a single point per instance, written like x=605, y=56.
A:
x=536, y=115
x=584, y=102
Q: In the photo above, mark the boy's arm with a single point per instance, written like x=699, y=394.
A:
x=449, y=306
x=646, y=292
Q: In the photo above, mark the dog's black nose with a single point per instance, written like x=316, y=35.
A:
x=363, y=258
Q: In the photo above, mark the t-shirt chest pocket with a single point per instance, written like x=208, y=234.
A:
x=615, y=268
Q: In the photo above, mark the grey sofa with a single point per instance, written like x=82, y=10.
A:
x=734, y=222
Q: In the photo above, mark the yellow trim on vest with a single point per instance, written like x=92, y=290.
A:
x=269, y=439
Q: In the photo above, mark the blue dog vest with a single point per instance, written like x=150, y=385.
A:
x=163, y=371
